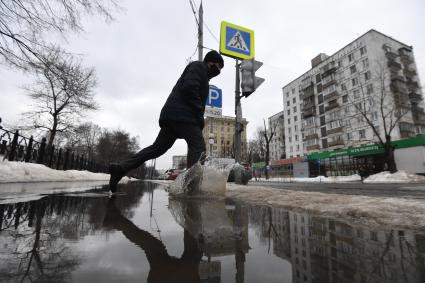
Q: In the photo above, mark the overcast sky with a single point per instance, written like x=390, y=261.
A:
x=140, y=55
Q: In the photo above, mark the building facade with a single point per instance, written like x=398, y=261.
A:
x=333, y=105
x=179, y=161
x=277, y=144
x=219, y=133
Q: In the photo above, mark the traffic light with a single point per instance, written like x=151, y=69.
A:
x=250, y=82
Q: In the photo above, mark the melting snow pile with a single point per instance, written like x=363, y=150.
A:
x=366, y=210
x=207, y=179
x=398, y=177
x=17, y=172
x=319, y=179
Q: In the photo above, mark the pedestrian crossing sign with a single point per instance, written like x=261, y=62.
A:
x=236, y=42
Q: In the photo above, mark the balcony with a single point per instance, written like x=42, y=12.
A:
x=308, y=105
x=309, y=112
x=335, y=143
x=398, y=87
x=306, y=84
x=406, y=129
x=406, y=59
x=409, y=72
x=331, y=106
x=391, y=56
x=415, y=97
x=394, y=66
x=419, y=118
x=412, y=85
x=331, y=95
x=313, y=147
x=311, y=137
x=396, y=77
x=335, y=130
x=306, y=93
x=331, y=82
x=328, y=71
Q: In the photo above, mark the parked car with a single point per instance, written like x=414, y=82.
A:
x=171, y=174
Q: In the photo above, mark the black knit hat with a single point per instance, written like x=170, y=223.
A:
x=215, y=57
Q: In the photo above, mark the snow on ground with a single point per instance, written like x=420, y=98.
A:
x=366, y=210
x=319, y=179
x=16, y=172
x=398, y=177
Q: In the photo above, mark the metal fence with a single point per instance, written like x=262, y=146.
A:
x=16, y=147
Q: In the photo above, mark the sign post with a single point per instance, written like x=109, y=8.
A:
x=214, y=102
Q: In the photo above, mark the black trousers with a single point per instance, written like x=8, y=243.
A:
x=169, y=133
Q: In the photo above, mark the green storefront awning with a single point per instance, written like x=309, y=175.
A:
x=367, y=149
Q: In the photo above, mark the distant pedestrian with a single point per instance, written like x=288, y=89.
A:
x=182, y=117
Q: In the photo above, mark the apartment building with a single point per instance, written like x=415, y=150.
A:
x=277, y=144
x=219, y=135
x=332, y=105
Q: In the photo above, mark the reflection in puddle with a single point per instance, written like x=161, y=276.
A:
x=90, y=237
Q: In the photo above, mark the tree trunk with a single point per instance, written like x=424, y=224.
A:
x=267, y=160
x=52, y=133
x=389, y=155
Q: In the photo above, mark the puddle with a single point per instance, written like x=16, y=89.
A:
x=144, y=235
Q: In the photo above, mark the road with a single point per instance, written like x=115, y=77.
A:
x=410, y=190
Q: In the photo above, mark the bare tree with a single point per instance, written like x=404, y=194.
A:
x=62, y=93
x=268, y=135
x=392, y=107
x=25, y=24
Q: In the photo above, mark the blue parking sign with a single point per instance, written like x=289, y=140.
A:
x=214, y=97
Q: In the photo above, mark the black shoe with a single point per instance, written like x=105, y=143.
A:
x=117, y=173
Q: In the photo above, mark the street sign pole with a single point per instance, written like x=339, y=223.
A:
x=238, y=114
x=238, y=123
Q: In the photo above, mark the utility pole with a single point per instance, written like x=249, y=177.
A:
x=200, y=32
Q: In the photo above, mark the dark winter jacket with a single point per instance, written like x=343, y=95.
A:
x=186, y=103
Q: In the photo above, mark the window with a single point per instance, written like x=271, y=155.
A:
x=353, y=69
x=287, y=94
x=350, y=57
x=298, y=147
x=293, y=90
x=348, y=136
x=369, y=89
x=289, y=121
x=375, y=116
x=296, y=128
x=367, y=76
x=319, y=88
x=294, y=100
x=296, y=137
x=320, y=98
x=291, y=148
x=289, y=130
x=363, y=50
x=318, y=78
x=345, y=98
x=290, y=139
x=287, y=103
x=356, y=93
x=295, y=109
x=355, y=81
x=289, y=111
x=362, y=134
x=295, y=118
x=365, y=63
x=343, y=86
